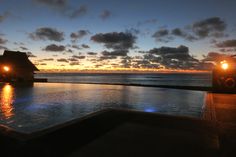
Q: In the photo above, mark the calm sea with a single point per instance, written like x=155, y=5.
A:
x=184, y=79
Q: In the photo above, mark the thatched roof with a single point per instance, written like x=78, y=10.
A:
x=17, y=60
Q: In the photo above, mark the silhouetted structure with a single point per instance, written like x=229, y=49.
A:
x=15, y=66
x=224, y=75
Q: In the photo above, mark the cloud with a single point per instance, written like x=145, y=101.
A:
x=55, y=48
x=47, y=33
x=162, y=35
x=76, y=47
x=228, y=50
x=210, y=27
x=125, y=62
x=227, y=43
x=43, y=63
x=85, y=46
x=4, y=16
x=92, y=53
x=72, y=59
x=74, y=13
x=105, y=14
x=31, y=55
x=107, y=58
x=53, y=3
x=133, y=31
x=78, y=35
x=3, y=48
x=115, y=40
x=46, y=59
x=149, y=21
x=78, y=57
x=216, y=57
x=62, y=60
x=3, y=41
x=172, y=57
x=63, y=7
x=115, y=53
x=24, y=48
x=74, y=63
x=181, y=33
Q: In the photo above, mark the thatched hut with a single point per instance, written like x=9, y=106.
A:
x=15, y=66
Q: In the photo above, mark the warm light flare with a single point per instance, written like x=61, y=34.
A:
x=6, y=68
x=224, y=65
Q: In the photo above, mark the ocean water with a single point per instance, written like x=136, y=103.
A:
x=33, y=108
x=182, y=79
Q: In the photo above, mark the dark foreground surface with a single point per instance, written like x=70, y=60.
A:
x=124, y=133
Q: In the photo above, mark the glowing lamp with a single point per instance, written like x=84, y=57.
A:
x=224, y=65
x=6, y=68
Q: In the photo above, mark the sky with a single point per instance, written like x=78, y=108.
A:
x=119, y=34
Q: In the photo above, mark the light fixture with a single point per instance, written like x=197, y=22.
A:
x=224, y=65
x=6, y=68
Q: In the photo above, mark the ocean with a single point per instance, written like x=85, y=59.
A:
x=181, y=79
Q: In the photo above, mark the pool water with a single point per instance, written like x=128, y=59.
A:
x=33, y=108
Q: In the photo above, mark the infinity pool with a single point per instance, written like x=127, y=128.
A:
x=33, y=108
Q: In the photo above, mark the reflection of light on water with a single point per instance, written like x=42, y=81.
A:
x=7, y=95
x=150, y=109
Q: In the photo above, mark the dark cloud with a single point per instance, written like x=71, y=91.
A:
x=227, y=50
x=107, y=58
x=3, y=41
x=216, y=57
x=31, y=55
x=210, y=27
x=23, y=48
x=53, y=3
x=105, y=14
x=115, y=40
x=172, y=57
x=72, y=59
x=149, y=21
x=76, y=47
x=47, y=33
x=62, y=6
x=19, y=43
x=85, y=46
x=69, y=50
x=78, y=35
x=43, y=63
x=62, y=60
x=74, y=13
x=74, y=63
x=78, y=57
x=181, y=33
x=162, y=35
x=133, y=31
x=55, y=48
x=126, y=62
x=115, y=53
x=3, y=48
x=92, y=53
x=4, y=16
x=227, y=43
x=46, y=59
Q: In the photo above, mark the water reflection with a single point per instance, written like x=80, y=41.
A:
x=7, y=98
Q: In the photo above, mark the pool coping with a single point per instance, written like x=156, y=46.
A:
x=23, y=136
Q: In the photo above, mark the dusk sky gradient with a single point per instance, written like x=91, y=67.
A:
x=112, y=35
